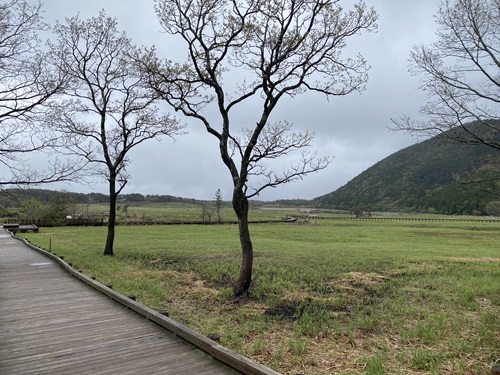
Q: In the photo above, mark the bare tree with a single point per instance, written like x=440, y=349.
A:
x=272, y=49
x=107, y=112
x=206, y=213
x=461, y=75
x=218, y=205
x=27, y=83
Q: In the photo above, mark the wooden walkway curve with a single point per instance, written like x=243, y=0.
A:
x=52, y=323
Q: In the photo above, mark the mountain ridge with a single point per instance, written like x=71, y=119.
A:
x=413, y=179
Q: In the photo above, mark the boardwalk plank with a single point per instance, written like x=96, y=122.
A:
x=135, y=355
x=53, y=324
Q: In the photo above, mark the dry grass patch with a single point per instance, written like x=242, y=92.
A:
x=357, y=280
x=463, y=259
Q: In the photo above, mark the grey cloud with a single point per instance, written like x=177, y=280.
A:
x=353, y=129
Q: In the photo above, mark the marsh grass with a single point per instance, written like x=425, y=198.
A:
x=332, y=297
x=175, y=212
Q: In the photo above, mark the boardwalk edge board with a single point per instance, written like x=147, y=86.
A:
x=215, y=350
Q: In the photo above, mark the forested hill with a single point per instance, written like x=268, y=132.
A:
x=420, y=178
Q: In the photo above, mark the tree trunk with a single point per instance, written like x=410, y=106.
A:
x=108, y=250
x=240, y=205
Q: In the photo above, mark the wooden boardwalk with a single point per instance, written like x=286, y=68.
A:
x=52, y=323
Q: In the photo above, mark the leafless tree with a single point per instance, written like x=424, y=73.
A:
x=27, y=83
x=218, y=205
x=461, y=75
x=251, y=54
x=106, y=112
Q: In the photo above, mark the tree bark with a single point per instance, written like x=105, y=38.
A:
x=240, y=205
x=108, y=250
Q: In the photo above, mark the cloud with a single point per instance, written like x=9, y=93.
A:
x=353, y=129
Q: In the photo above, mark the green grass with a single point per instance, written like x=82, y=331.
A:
x=344, y=297
x=173, y=212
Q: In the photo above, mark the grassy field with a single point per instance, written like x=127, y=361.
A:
x=172, y=212
x=328, y=297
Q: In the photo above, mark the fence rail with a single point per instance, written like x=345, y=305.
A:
x=403, y=219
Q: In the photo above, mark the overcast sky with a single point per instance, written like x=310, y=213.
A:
x=352, y=129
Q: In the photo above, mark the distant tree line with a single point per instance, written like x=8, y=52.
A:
x=14, y=197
